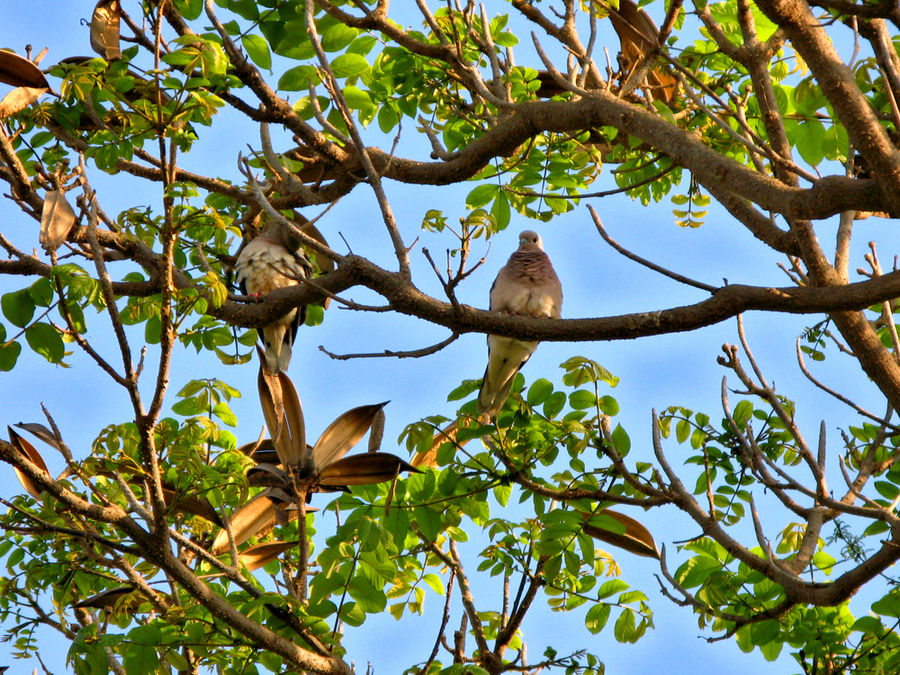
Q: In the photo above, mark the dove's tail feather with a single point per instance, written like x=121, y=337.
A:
x=505, y=357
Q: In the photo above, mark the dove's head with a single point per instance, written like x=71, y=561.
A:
x=530, y=239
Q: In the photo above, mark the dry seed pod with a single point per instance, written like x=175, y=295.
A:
x=105, y=29
x=57, y=220
x=255, y=517
x=343, y=434
x=636, y=538
x=372, y=467
x=20, y=72
x=31, y=453
x=19, y=99
x=262, y=554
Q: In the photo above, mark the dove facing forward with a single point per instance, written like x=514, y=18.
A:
x=527, y=285
x=274, y=260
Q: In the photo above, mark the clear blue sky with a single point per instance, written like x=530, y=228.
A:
x=655, y=372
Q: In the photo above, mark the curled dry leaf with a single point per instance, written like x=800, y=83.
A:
x=343, y=434
x=19, y=99
x=32, y=454
x=20, y=72
x=105, y=29
x=57, y=220
x=372, y=467
x=627, y=534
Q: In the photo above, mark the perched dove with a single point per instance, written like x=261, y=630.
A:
x=273, y=260
x=527, y=285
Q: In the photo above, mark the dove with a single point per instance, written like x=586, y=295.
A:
x=274, y=260
x=528, y=286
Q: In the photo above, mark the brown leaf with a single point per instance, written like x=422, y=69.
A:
x=630, y=535
x=29, y=451
x=105, y=29
x=19, y=99
x=20, y=72
x=373, y=467
x=57, y=219
x=343, y=434
x=105, y=599
x=255, y=517
x=257, y=556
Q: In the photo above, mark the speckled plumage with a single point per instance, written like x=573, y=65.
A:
x=274, y=260
x=526, y=285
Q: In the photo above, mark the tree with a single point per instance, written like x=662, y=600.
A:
x=177, y=545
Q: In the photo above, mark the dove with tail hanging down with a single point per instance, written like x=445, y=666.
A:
x=272, y=260
x=527, y=286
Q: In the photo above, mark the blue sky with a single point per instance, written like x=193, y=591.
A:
x=655, y=372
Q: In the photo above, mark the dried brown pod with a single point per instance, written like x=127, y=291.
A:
x=57, y=220
x=105, y=29
x=20, y=72
x=32, y=454
x=191, y=505
x=257, y=516
x=343, y=434
x=19, y=99
x=630, y=535
x=372, y=467
x=283, y=414
x=257, y=556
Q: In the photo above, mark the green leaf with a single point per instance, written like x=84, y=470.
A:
x=500, y=210
x=387, y=118
x=611, y=587
x=539, y=391
x=258, y=50
x=18, y=307
x=481, y=195
x=337, y=37
x=582, y=399
x=502, y=493
x=625, y=626
x=298, y=78
x=554, y=404
x=620, y=440
x=349, y=65
x=46, y=341
x=41, y=291
x=596, y=618
x=9, y=354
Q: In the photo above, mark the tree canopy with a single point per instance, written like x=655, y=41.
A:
x=178, y=539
